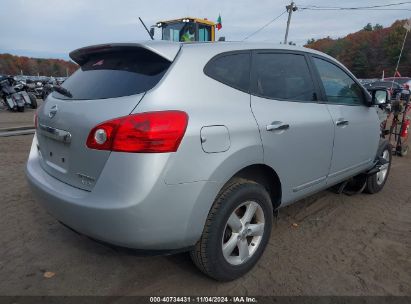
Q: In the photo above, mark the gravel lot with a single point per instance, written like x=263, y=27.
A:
x=359, y=245
x=12, y=120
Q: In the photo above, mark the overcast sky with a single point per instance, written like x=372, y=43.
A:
x=52, y=28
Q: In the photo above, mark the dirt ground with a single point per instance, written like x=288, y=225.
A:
x=359, y=245
x=14, y=119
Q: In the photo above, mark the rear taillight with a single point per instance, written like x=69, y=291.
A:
x=150, y=132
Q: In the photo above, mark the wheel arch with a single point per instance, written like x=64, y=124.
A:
x=263, y=175
x=257, y=172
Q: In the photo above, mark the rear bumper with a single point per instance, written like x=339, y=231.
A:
x=147, y=215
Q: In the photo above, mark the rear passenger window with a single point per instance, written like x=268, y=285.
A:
x=232, y=70
x=283, y=76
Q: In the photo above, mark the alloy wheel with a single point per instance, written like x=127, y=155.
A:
x=243, y=233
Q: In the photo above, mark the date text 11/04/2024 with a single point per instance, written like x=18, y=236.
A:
x=203, y=300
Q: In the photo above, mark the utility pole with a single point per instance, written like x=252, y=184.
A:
x=407, y=26
x=290, y=9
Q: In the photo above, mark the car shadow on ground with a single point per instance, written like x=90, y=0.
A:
x=181, y=258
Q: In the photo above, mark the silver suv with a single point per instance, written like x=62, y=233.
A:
x=169, y=146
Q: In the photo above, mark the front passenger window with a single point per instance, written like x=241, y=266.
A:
x=338, y=85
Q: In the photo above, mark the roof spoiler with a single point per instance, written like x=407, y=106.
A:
x=166, y=50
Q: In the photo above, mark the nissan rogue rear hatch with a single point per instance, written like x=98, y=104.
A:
x=110, y=83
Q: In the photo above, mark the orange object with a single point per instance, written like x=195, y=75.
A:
x=405, y=127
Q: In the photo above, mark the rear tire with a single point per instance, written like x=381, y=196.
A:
x=376, y=182
x=33, y=100
x=44, y=95
x=236, y=231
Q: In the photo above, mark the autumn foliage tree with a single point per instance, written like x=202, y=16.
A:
x=14, y=65
x=370, y=51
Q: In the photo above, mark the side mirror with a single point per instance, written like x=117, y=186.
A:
x=380, y=97
x=152, y=32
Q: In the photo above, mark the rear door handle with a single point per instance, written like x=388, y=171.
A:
x=277, y=126
x=342, y=122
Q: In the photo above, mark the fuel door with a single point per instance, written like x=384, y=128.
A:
x=215, y=139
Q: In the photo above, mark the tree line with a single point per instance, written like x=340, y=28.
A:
x=370, y=51
x=367, y=53
x=15, y=65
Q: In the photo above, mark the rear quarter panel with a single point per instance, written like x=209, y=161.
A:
x=207, y=103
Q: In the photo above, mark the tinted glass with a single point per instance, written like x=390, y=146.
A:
x=398, y=80
x=172, y=31
x=385, y=84
x=179, y=31
x=339, y=87
x=283, y=76
x=232, y=69
x=115, y=74
x=204, y=33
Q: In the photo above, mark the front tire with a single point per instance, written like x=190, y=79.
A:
x=236, y=232
x=376, y=182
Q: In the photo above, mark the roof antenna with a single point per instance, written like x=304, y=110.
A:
x=149, y=33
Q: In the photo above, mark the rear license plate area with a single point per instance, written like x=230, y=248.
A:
x=55, y=154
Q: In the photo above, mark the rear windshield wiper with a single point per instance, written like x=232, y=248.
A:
x=62, y=91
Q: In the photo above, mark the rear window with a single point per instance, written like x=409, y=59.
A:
x=115, y=74
x=231, y=69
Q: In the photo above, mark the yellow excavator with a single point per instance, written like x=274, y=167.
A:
x=186, y=29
